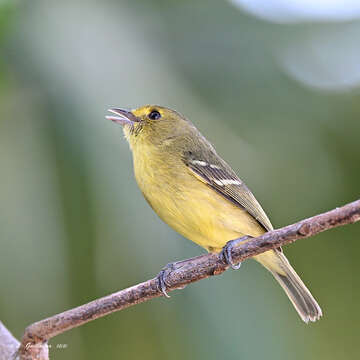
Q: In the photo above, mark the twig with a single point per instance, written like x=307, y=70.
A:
x=34, y=341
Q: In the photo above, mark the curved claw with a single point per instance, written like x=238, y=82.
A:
x=163, y=274
x=161, y=278
x=227, y=249
x=226, y=252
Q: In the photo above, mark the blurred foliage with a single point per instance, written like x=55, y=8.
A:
x=73, y=224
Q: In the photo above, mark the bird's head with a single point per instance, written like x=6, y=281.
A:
x=150, y=124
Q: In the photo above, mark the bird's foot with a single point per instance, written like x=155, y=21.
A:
x=227, y=249
x=163, y=274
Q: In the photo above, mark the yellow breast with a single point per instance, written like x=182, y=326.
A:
x=188, y=205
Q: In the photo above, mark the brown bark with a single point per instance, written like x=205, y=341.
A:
x=34, y=342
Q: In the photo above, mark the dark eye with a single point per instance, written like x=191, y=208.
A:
x=154, y=115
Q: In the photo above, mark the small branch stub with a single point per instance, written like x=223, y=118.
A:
x=8, y=344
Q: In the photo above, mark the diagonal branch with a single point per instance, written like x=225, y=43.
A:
x=34, y=341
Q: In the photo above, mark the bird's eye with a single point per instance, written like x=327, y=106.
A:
x=154, y=115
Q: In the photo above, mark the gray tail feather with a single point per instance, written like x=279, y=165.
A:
x=299, y=295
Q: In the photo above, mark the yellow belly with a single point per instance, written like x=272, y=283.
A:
x=195, y=210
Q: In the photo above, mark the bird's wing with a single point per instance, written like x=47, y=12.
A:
x=217, y=174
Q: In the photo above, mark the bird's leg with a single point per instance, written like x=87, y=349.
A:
x=226, y=251
x=161, y=279
x=164, y=273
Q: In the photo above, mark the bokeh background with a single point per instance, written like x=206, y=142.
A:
x=274, y=86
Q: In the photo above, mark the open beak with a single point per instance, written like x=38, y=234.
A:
x=122, y=117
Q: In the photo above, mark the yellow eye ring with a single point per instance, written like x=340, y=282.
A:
x=154, y=115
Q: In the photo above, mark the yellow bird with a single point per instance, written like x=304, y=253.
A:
x=197, y=193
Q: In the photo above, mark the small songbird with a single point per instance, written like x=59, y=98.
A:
x=197, y=193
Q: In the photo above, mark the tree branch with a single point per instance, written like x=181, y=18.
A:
x=34, y=342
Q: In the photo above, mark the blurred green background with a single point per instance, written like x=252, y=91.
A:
x=279, y=100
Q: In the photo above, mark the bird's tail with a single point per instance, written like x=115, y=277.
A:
x=304, y=303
